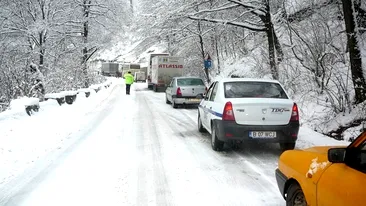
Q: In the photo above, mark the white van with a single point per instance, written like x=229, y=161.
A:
x=140, y=77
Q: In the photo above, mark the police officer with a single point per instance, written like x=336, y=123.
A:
x=129, y=81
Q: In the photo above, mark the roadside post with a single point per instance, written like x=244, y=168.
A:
x=208, y=65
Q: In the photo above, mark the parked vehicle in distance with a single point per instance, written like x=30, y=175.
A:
x=140, y=77
x=238, y=109
x=130, y=67
x=324, y=175
x=111, y=69
x=185, y=91
x=144, y=69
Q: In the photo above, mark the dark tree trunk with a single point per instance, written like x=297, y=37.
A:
x=131, y=6
x=41, y=51
x=42, y=40
x=271, y=36
x=202, y=48
x=217, y=53
x=278, y=47
x=39, y=88
x=354, y=52
x=85, y=39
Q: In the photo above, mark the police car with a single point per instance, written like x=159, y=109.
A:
x=240, y=109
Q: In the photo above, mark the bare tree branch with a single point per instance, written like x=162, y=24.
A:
x=233, y=23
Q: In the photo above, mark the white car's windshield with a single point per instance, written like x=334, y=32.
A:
x=254, y=90
x=190, y=82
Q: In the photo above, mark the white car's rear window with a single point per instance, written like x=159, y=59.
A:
x=190, y=82
x=254, y=90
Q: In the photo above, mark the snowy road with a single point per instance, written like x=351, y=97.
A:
x=140, y=151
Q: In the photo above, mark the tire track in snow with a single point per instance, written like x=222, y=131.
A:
x=142, y=195
x=271, y=156
x=160, y=184
x=233, y=161
x=188, y=180
x=256, y=176
x=186, y=127
x=269, y=152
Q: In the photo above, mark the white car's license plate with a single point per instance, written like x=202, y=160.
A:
x=194, y=100
x=262, y=134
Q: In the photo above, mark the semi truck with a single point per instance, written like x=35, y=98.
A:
x=111, y=69
x=163, y=69
x=149, y=74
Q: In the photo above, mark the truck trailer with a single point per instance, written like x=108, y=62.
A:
x=149, y=69
x=163, y=69
x=111, y=69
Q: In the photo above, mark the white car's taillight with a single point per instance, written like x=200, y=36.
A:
x=179, y=92
x=228, y=114
x=295, y=113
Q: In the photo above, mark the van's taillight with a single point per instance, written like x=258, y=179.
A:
x=179, y=92
x=206, y=89
x=295, y=113
x=228, y=114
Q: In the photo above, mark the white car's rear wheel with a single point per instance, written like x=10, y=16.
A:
x=174, y=105
x=216, y=144
x=166, y=99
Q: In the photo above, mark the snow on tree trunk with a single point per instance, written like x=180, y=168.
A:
x=271, y=42
x=354, y=52
x=86, y=10
x=37, y=88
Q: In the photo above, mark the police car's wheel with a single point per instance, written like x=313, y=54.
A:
x=199, y=123
x=166, y=99
x=216, y=144
x=174, y=105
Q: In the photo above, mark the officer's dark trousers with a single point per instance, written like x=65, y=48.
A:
x=128, y=88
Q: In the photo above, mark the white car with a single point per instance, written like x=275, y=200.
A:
x=185, y=91
x=239, y=109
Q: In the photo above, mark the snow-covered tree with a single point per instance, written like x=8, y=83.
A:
x=57, y=37
x=351, y=19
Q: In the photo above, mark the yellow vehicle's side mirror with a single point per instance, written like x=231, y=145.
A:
x=337, y=155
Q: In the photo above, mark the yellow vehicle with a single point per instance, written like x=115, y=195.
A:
x=324, y=175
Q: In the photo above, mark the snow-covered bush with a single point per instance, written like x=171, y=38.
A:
x=29, y=105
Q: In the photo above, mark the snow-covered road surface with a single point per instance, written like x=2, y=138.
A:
x=138, y=150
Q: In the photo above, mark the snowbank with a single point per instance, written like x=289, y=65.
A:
x=69, y=93
x=309, y=138
x=96, y=86
x=85, y=90
x=23, y=102
x=54, y=95
x=25, y=139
